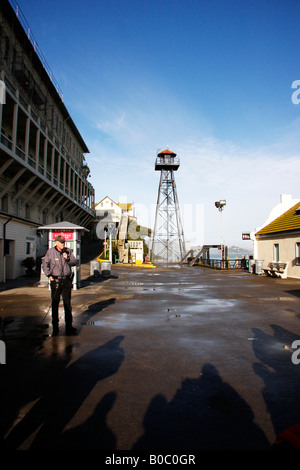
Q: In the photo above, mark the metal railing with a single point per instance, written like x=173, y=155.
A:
x=167, y=161
x=6, y=141
x=21, y=17
x=238, y=263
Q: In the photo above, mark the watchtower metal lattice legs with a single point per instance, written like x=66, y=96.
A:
x=168, y=239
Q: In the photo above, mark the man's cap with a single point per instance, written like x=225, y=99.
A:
x=60, y=238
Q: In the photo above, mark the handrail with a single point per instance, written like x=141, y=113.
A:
x=167, y=161
x=240, y=263
x=21, y=17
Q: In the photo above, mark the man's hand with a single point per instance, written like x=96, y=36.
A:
x=65, y=255
x=51, y=278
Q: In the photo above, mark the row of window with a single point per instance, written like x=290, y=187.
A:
x=135, y=244
x=29, y=247
x=276, y=256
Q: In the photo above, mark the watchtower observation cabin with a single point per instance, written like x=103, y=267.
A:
x=167, y=160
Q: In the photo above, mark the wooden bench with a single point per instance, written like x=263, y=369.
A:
x=277, y=269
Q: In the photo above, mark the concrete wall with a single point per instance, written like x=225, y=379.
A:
x=287, y=251
x=22, y=240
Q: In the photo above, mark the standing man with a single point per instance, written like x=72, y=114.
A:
x=57, y=267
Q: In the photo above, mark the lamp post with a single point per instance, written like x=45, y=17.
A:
x=220, y=206
x=105, y=242
x=110, y=229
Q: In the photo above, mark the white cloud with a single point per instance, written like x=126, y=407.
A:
x=250, y=177
x=251, y=180
x=114, y=126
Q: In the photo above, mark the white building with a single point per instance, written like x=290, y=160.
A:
x=278, y=239
x=118, y=214
x=107, y=208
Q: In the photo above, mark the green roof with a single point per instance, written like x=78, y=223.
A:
x=288, y=221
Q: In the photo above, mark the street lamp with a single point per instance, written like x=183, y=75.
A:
x=110, y=228
x=220, y=206
x=105, y=242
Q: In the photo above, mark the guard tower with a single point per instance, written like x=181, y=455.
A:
x=168, y=239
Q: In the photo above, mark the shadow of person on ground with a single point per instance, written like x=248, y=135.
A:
x=93, y=310
x=295, y=292
x=281, y=377
x=96, y=279
x=94, y=433
x=205, y=414
x=63, y=398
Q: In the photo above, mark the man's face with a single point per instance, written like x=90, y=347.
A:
x=59, y=245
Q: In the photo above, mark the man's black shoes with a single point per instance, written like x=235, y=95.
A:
x=71, y=331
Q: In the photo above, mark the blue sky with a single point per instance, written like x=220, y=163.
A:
x=210, y=79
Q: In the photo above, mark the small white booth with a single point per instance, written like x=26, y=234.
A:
x=136, y=250
x=72, y=235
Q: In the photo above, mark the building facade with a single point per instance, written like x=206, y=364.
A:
x=109, y=210
x=278, y=240
x=43, y=172
x=121, y=217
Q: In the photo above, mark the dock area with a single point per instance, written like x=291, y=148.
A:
x=175, y=358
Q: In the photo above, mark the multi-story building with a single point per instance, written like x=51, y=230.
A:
x=43, y=173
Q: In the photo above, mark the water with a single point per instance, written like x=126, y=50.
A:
x=231, y=255
x=234, y=259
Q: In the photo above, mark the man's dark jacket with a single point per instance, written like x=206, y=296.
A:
x=54, y=264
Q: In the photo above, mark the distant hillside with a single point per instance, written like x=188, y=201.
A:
x=233, y=250
x=237, y=249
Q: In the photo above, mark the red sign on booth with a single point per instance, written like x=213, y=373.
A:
x=67, y=235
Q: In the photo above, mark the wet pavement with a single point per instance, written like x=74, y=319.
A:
x=171, y=359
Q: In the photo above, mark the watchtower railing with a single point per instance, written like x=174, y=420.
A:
x=167, y=162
